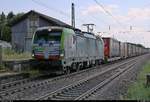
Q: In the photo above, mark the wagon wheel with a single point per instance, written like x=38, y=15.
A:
x=74, y=66
x=78, y=67
x=99, y=62
x=66, y=70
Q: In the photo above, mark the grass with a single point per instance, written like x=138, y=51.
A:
x=9, y=54
x=139, y=91
x=2, y=68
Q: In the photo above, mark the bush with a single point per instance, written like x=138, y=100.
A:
x=9, y=54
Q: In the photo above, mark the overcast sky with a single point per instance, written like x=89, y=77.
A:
x=125, y=13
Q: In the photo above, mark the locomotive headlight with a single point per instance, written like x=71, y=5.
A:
x=49, y=29
x=32, y=55
x=61, y=55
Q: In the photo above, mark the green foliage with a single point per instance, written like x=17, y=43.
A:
x=2, y=68
x=10, y=15
x=15, y=18
x=139, y=91
x=6, y=22
x=3, y=17
x=9, y=54
x=6, y=34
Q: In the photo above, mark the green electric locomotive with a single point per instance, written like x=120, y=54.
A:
x=63, y=49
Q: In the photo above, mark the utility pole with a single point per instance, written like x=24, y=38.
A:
x=73, y=15
x=130, y=27
x=109, y=28
x=89, y=27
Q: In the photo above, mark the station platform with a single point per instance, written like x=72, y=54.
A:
x=3, y=74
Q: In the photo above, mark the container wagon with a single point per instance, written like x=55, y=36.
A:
x=112, y=49
x=123, y=50
x=129, y=50
x=137, y=50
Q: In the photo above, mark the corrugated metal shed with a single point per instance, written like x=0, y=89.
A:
x=49, y=19
x=24, y=28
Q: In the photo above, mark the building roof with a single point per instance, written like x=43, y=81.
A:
x=49, y=19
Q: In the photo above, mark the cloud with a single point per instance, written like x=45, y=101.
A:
x=135, y=15
x=93, y=9
x=139, y=13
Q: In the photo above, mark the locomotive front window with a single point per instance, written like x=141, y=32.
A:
x=54, y=36
x=47, y=36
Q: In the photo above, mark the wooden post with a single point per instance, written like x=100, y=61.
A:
x=148, y=79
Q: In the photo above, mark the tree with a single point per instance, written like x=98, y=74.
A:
x=2, y=23
x=16, y=17
x=5, y=24
x=6, y=33
x=10, y=15
x=3, y=18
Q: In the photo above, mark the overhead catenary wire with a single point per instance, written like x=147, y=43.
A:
x=44, y=5
x=56, y=10
x=60, y=11
x=106, y=11
x=101, y=6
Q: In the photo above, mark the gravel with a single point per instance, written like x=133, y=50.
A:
x=117, y=89
x=41, y=90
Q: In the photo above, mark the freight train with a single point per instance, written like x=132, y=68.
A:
x=115, y=50
x=64, y=49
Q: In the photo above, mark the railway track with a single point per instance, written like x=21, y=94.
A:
x=22, y=92
x=84, y=88
x=21, y=82
x=13, y=78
